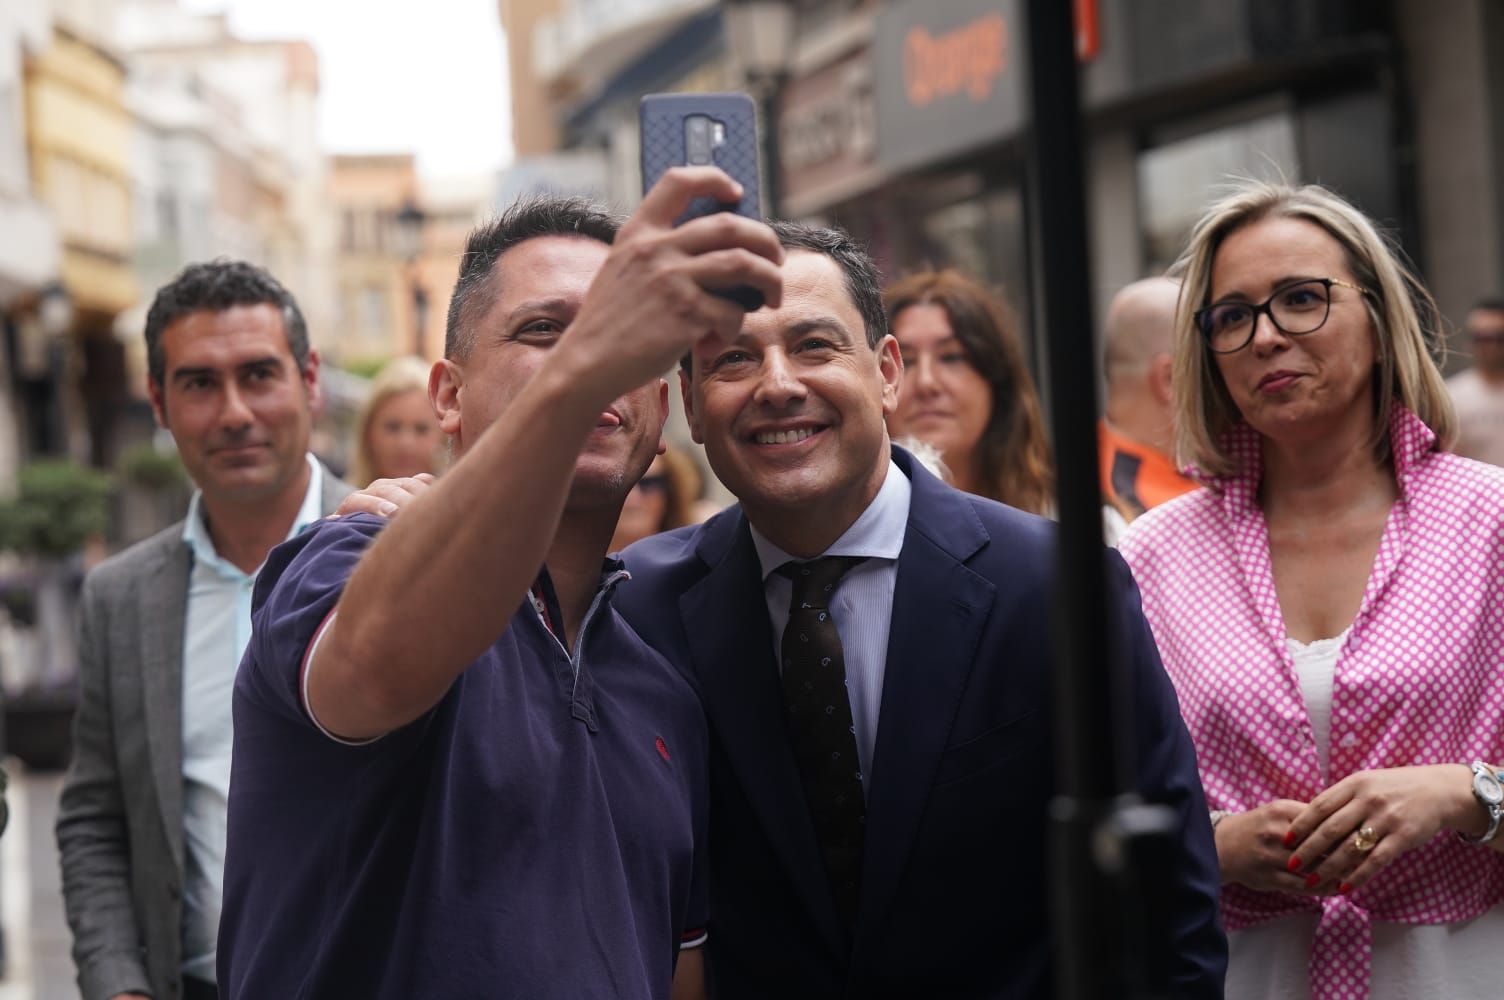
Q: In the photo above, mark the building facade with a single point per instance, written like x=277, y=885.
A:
x=30, y=252
x=381, y=301
x=79, y=146
x=907, y=121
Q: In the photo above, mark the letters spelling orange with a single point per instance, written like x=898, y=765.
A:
x=969, y=58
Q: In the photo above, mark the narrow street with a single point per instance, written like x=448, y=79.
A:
x=37, y=965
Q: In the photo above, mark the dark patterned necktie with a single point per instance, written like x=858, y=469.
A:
x=820, y=726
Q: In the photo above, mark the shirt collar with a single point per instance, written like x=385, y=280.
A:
x=196, y=532
x=876, y=534
x=1411, y=442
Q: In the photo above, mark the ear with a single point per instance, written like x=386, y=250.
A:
x=662, y=413
x=311, y=382
x=1161, y=370
x=890, y=367
x=687, y=393
x=158, y=402
x=444, y=383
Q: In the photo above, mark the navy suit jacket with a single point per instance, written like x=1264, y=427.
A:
x=954, y=890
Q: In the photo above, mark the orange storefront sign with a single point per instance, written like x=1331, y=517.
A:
x=968, y=60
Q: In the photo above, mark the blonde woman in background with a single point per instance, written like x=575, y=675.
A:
x=397, y=434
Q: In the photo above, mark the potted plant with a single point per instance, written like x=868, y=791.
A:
x=58, y=506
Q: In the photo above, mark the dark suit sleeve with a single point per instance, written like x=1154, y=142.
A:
x=92, y=837
x=1167, y=774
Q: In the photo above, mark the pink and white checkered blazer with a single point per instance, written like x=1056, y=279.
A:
x=1420, y=679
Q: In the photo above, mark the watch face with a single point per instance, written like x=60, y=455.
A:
x=1487, y=788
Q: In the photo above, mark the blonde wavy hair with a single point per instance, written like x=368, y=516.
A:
x=1407, y=324
x=407, y=374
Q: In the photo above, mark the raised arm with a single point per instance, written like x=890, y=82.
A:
x=409, y=622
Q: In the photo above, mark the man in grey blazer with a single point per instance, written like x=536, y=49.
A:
x=141, y=826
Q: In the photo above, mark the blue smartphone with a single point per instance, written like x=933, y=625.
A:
x=705, y=130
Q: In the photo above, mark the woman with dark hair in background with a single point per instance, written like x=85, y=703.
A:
x=966, y=390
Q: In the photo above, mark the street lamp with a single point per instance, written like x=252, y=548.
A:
x=410, y=220
x=760, y=34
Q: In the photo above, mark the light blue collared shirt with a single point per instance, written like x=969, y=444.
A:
x=214, y=640
x=863, y=603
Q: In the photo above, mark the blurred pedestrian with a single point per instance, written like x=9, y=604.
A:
x=1478, y=392
x=141, y=824
x=1329, y=608
x=663, y=499
x=1136, y=435
x=967, y=391
x=397, y=434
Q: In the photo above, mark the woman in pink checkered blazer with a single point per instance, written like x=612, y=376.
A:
x=1331, y=609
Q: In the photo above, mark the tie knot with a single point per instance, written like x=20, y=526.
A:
x=816, y=580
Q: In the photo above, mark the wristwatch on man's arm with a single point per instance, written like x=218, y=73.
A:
x=1488, y=789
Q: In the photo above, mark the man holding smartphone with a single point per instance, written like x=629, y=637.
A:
x=457, y=771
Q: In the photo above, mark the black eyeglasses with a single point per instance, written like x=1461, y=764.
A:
x=653, y=484
x=1297, y=309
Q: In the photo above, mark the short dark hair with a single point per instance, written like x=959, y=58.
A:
x=216, y=286
x=864, y=283
x=475, y=292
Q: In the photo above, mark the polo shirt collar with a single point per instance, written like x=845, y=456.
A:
x=876, y=534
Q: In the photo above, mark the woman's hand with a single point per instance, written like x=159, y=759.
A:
x=1251, y=851
x=1403, y=806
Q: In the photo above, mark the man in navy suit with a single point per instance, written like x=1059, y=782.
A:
x=920, y=872
x=919, y=869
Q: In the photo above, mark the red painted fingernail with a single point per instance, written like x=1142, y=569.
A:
x=1312, y=880
x=1345, y=888
x=1290, y=839
x=1294, y=864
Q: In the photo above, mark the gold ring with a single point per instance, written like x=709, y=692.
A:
x=1365, y=839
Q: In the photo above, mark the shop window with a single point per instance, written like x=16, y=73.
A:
x=1179, y=178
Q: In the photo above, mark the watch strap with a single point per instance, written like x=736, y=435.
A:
x=1495, y=810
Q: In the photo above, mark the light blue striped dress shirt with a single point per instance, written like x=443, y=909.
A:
x=863, y=605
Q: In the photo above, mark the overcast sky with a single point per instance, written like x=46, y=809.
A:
x=398, y=75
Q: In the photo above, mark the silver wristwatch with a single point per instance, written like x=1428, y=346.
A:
x=1489, y=791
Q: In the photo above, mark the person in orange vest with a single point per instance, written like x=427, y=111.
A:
x=1136, y=436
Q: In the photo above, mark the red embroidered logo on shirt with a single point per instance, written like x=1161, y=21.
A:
x=662, y=748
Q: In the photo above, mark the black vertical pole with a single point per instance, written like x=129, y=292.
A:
x=1084, y=925
x=1111, y=852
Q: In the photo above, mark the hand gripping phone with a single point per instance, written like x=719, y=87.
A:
x=705, y=130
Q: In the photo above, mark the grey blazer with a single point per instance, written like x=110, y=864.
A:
x=120, y=821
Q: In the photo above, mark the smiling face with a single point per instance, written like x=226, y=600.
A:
x=792, y=414
x=1294, y=388
x=236, y=402
x=945, y=402
x=542, y=284
x=403, y=435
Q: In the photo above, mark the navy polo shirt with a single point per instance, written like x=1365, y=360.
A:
x=537, y=834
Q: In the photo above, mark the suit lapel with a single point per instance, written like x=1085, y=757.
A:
x=939, y=610
x=163, y=608
x=335, y=490
x=731, y=646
